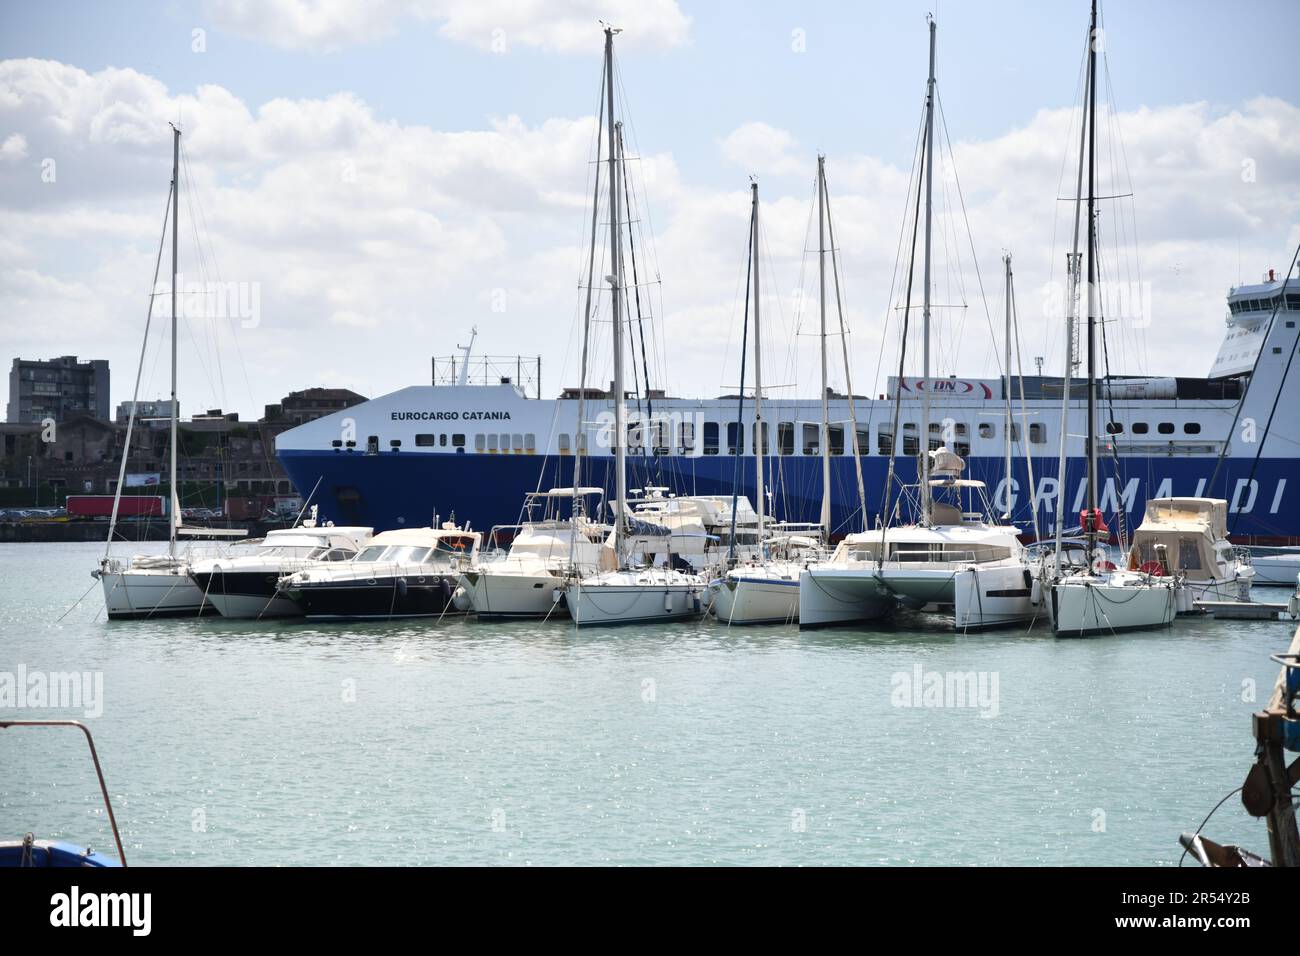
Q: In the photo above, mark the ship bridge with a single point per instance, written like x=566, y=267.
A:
x=1249, y=309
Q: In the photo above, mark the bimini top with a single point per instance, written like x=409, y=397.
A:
x=1191, y=514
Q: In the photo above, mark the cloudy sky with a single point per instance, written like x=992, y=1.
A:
x=378, y=178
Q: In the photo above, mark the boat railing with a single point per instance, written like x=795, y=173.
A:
x=94, y=756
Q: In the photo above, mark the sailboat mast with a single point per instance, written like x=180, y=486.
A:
x=821, y=279
x=615, y=284
x=760, y=433
x=176, y=190
x=1092, y=270
x=1006, y=383
x=925, y=308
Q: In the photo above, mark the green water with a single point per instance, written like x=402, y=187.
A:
x=463, y=743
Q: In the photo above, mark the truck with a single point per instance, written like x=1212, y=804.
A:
x=101, y=506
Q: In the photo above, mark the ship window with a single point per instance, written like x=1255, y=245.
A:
x=987, y=430
x=1141, y=428
x=836, y=437
x=1277, y=351
x=530, y=442
x=563, y=439
x=659, y=431
x=710, y=438
x=517, y=442
x=458, y=441
x=1114, y=428
x=1192, y=428
x=863, y=446
x=372, y=445
x=812, y=439
x=442, y=440
x=911, y=439
x=1037, y=434
x=762, y=437
x=686, y=436
x=1293, y=300
x=492, y=442
x=394, y=443
x=1290, y=323
x=785, y=438
x=885, y=440
x=1165, y=428
x=733, y=438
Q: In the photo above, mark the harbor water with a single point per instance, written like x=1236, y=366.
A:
x=456, y=742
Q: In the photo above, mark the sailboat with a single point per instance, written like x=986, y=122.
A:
x=765, y=589
x=1099, y=598
x=918, y=565
x=157, y=585
x=633, y=591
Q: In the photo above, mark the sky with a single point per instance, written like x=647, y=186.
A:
x=369, y=182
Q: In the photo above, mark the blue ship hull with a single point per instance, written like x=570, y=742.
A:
x=406, y=489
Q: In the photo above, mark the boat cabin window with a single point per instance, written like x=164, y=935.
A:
x=1191, y=428
x=785, y=438
x=424, y=441
x=884, y=440
x=761, y=440
x=1165, y=428
x=1114, y=428
x=1141, y=428
x=836, y=437
x=455, y=545
x=710, y=438
x=458, y=441
x=406, y=553
x=812, y=439
x=1037, y=433
x=338, y=554
x=987, y=430
x=372, y=553
x=863, y=436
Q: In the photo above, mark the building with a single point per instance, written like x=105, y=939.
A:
x=57, y=389
x=159, y=409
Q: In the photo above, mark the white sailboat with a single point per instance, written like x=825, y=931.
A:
x=631, y=592
x=148, y=586
x=1099, y=598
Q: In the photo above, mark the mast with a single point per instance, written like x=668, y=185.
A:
x=1092, y=275
x=1006, y=382
x=616, y=299
x=925, y=309
x=760, y=437
x=821, y=279
x=176, y=182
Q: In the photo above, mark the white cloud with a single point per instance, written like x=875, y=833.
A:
x=13, y=148
x=567, y=26
x=376, y=244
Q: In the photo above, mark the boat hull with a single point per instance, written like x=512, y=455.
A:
x=380, y=598
x=755, y=600
x=245, y=594
x=498, y=596
x=148, y=593
x=992, y=596
x=829, y=596
x=1094, y=609
x=603, y=603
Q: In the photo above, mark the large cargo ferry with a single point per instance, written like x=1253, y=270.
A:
x=475, y=441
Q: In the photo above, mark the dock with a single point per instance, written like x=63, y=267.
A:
x=1247, y=610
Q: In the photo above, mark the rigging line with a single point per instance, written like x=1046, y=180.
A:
x=739, y=446
x=135, y=395
x=1241, y=403
x=844, y=343
x=1121, y=517
x=1024, y=414
x=1286, y=372
x=943, y=120
x=902, y=358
